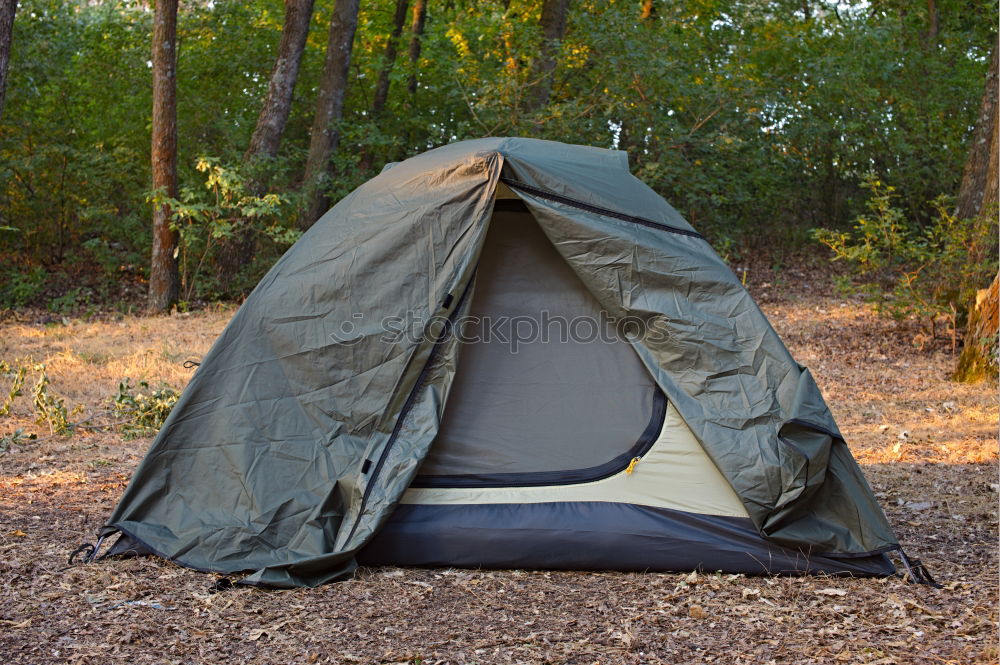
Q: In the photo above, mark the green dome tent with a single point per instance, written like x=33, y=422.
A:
x=503, y=353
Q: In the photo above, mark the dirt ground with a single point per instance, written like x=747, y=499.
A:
x=928, y=447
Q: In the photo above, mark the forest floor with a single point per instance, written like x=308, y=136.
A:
x=928, y=447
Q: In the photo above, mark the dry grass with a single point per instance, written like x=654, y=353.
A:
x=929, y=448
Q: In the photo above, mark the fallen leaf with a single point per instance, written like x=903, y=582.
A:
x=832, y=592
x=697, y=612
x=17, y=533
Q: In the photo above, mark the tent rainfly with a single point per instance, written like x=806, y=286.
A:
x=502, y=353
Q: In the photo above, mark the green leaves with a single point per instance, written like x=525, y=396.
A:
x=221, y=208
x=143, y=412
x=909, y=270
x=755, y=120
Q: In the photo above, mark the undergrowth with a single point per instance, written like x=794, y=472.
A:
x=138, y=413
x=143, y=413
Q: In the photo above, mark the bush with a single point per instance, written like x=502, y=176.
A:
x=144, y=412
x=49, y=409
x=906, y=270
x=205, y=216
x=21, y=288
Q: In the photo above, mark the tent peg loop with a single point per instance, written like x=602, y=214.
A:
x=97, y=548
x=191, y=364
x=916, y=571
x=86, y=549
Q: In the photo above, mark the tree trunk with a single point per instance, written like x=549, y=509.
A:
x=382, y=85
x=553, y=24
x=932, y=22
x=416, y=41
x=979, y=355
x=7, y=9
x=164, y=282
x=278, y=102
x=237, y=251
x=979, y=179
x=325, y=135
x=979, y=195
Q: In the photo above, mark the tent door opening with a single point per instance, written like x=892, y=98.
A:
x=547, y=391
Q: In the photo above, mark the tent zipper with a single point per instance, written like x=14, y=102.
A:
x=559, y=198
x=408, y=404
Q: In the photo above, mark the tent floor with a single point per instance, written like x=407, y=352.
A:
x=591, y=536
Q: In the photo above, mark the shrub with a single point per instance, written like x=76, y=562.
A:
x=143, y=412
x=21, y=288
x=906, y=270
x=49, y=408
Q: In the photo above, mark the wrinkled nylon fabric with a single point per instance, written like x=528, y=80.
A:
x=305, y=423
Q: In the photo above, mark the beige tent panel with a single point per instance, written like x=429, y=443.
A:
x=675, y=473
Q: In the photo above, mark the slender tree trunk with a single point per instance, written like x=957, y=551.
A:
x=237, y=251
x=980, y=195
x=553, y=24
x=381, y=95
x=7, y=9
x=329, y=108
x=416, y=41
x=932, y=22
x=164, y=282
x=382, y=86
x=278, y=102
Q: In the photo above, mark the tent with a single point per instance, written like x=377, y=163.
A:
x=501, y=353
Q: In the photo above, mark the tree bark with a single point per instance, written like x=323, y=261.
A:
x=7, y=10
x=977, y=196
x=932, y=22
x=382, y=86
x=979, y=179
x=381, y=95
x=325, y=136
x=416, y=41
x=237, y=251
x=553, y=24
x=278, y=102
x=979, y=355
x=164, y=282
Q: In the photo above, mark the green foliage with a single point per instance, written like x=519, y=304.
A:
x=70, y=300
x=49, y=409
x=18, y=437
x=16, y=374
x=908, y=270
x=756, y=120
x=143, y=412
x=21, y=288
x=221, y=209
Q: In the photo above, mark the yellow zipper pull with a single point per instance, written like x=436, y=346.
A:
x=631, y=466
